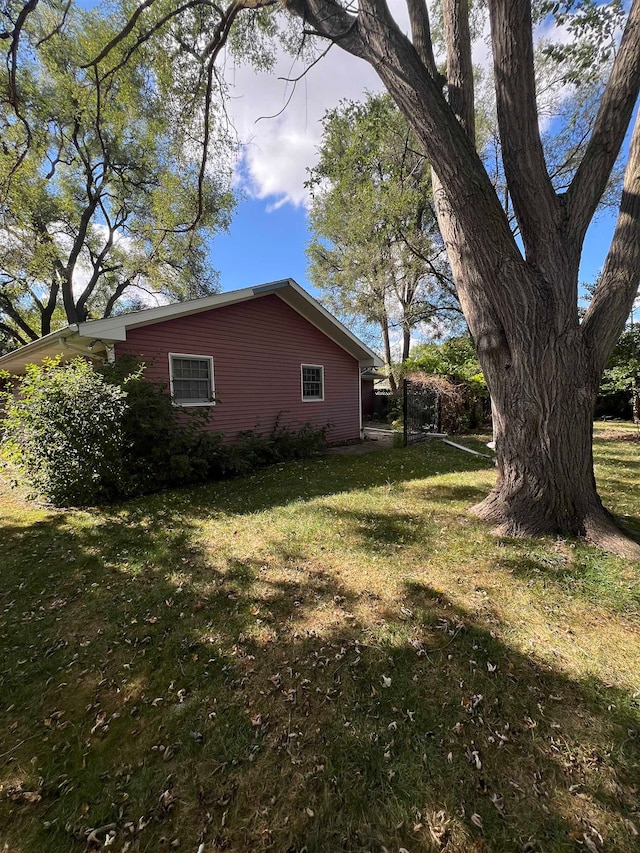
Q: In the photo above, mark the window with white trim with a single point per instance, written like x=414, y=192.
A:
x=191, y=379
x=312, y=382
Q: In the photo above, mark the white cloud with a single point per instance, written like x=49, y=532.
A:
x=279, y=122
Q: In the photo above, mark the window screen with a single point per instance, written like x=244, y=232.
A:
x=191, y=379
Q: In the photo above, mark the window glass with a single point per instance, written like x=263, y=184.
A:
x=312, y=382
x=191, y=379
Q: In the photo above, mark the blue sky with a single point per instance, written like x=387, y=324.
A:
x=262, y=245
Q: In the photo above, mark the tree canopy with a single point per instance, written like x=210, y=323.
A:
x=102, y=201
x=375, y=251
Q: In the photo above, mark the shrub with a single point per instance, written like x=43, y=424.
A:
x=161, y=445
x=62, y=428
x=460, y=408
x=255, y=450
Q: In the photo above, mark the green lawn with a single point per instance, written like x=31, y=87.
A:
x=328, y=655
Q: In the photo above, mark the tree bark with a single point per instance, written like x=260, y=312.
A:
x=542, y=415
x=386, y=342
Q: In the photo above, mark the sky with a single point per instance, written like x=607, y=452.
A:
x=280, y=130
x=268, y=234
x=279, y=127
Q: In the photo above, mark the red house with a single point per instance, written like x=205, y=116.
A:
x=252, y=356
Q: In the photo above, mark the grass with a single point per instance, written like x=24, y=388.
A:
x=325, y=656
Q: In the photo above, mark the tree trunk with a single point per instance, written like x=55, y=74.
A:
x=384, y=327
x=406, y=340
x=543, y=422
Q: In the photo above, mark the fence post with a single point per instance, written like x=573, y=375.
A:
x=405, y=411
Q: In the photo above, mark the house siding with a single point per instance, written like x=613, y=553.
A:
x=257, y=348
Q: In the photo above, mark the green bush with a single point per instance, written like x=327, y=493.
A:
x=160, y=443
x=62, y=428
x=253, y=450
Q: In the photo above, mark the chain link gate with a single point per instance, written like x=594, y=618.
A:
x=421, y=411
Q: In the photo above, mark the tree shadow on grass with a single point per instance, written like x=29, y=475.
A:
x=447, y=493
x=308, y=479
x=155, y=692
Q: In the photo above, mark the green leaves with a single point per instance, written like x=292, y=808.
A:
x=455, y=358
x=376, y=252
x=107, y=202
x=63, y=430
x=593, y=29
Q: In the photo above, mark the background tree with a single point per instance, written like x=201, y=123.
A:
x=102, y=203
x=455, y=358
x=376, y=253
x=622, y=373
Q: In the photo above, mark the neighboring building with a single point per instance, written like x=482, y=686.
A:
x=253, y=356
x=369, y=378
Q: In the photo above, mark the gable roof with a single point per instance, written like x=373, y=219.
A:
x=95, y=338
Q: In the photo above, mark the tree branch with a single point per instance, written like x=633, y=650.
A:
x=8, y=330
x=612, y=121
x=117, y=293
x=460, y=92
x=618, y=284
x=534, y=200
x=7, y=307
x=12, y=54
x=421, y=37
x=124, y=32
x=144, y=37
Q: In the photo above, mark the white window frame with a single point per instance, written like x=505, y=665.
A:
x=212, y=383
x=319, y=367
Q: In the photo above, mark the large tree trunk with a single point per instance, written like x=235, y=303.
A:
x=543, y=392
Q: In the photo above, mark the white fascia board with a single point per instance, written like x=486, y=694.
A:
x=49, y=345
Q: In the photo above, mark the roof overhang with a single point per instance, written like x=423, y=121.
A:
x=95, y=338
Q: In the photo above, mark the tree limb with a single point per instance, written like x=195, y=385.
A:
x=124, y=32
x=421, y=37
x=618, y=284
x=460, y=92
x=12, y=54
x=534, y=200
x=13, y=333
x=612, y=121
x=7, y=307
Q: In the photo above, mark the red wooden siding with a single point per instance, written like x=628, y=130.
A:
x=257, y=349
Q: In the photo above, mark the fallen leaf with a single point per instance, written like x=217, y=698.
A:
x=589, y=844
x=476, y=820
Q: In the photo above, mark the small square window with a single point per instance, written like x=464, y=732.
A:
x=312, y=382
x=191, y=379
